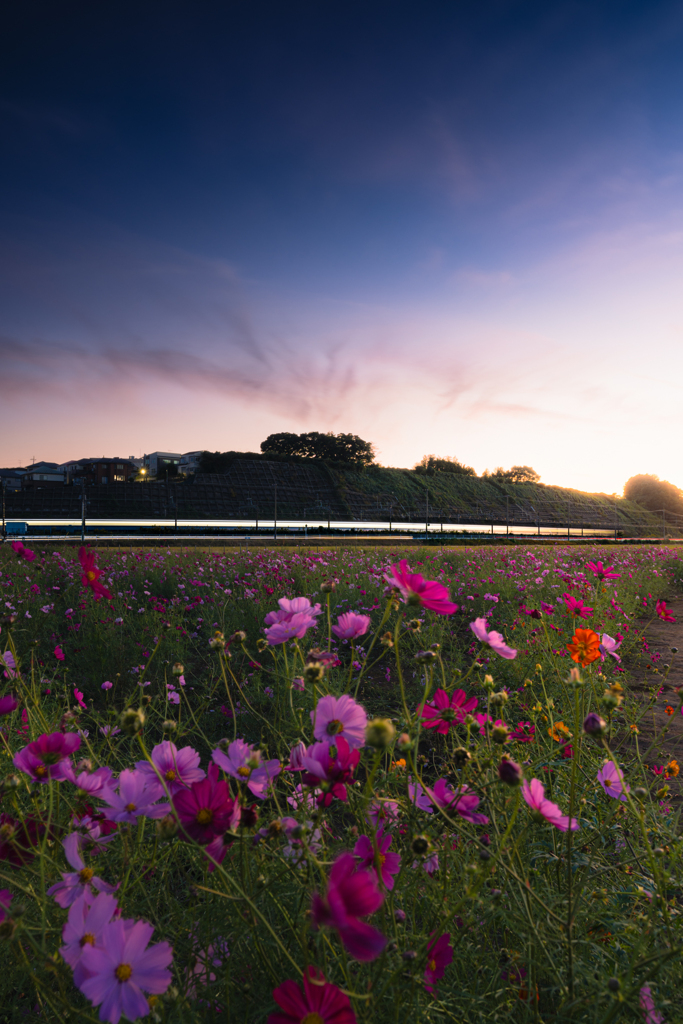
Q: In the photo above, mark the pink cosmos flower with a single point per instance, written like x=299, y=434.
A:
x=339, y=716
x=8, y=704
x=663, y=612
x=383, y=812
x=79, y=699
x=106, y=685
x=612, y=781
x=76, y=884
x=524, y=733
x=48, y=757
x=546, y=608
x=22, y=552
x=59, y=654
x=244, y=763
x=377, y=857
x=294, y=627
x=84, y=927
x=602, y=573
x=461, y=800
x=534, y=794
x=493, y=639
x=419, y=797
x=647, y=1005
x=136, y=797
x=416, y=590
x=91, y=574
x=90, y=782
x=205, y=960
x=328, y=767
x=290, y=607
x=576, y=607
x=9, y=664
x=178, y=768
x=609, y=646
x=319, y=1003
x=296, y=757
x=206, y=810
x=121, y=969
x=351, y=893
x=351, y=625
x=442, y=713
x=439, y=956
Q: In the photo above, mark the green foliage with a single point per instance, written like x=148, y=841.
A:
x=654, y=494
x=430, y=464
x=314, y=445
x=514, y=475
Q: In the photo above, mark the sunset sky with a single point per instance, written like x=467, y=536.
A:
x=448, y=227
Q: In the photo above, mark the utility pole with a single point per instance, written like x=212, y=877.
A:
x=83, y=512
x=569, y=519
x=507, y=515
x=4, y=529
x=663, y=524
x=275, y=515
x=175, y=505
x=426, y=512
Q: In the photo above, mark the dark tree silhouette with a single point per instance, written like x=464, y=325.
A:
x=314, y=445
x=654, y=494
x=431, y=465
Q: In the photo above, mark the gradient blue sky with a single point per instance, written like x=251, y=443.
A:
x=448, y=227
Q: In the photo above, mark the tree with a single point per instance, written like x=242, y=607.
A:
x=314, y=445
x=515, y=475
x=654, y=494
x=432, y=465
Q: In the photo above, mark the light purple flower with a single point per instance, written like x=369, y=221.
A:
x=351, y=625
x=121, y=969
x=109, y=730
x=296, y=757
x=290, y=607
x=419, y=797
x=612, y=781
x=7, y=662
x=178, y=768
x=460, y=800
x=609, y=646
x=136, y=797
x=84, y=927
x=89, y=782
x=339, y=716
x=534, y=794
x=107, y=685
x=294, y=627
x=244, y=763
x=76, y=884
x=495, y=641
x=383, y=812
x=429, y=864
x=647, y=1005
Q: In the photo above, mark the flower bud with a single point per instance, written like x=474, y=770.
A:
x=177, y=669
x=167, y=827
x=614, y=984
x=404, y=742
x=298, y=683
x=400, y=916
x=640, y=793
x=421, y=845
x=594, y=725
x=461, y=756
x=261, y=645
x=249, y=817
x=314, y=672
x=425, y=657
x=380, y=733
x=239, y=636
x=574, y=677
x=11, y=782
x=328, y=586
x=132, y=720
x=500, y=733
x=168, y=727
x=386, y=640
x=509, y=772
x=409, y=954
x=217, y=641
x=499, y=698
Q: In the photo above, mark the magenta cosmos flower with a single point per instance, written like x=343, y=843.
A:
x=351, y=893
x=91, y=574
x=534, y=794
x=612, y=781
x=84, y=927
x=328, y=767
x=245, y=764
x=77, y=884
x=319, y=1003
x=47, y=758
x=442, y=712
x=121, y=969
x=89, y=782
x=351, y=625
x=575, y=606
x=416, y=590
x=602, y=573
x=177, y=768
x=439, y=956
x=493, y=639
x=460, y=800
x=8, y=704
x=21, y=552
x=205, y=809
x=5, y=903
x=18, y=839
x=339, y=716
x=377, y=857
x=647, y=1005
x=663, y=612
x=136, y=797
x=294, y=627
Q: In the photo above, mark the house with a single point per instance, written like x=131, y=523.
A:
x=11, y=479
x=189, y=462
x=99, y=471
x=156, y=463
x=42, y=474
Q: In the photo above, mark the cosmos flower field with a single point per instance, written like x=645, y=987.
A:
x=326, y=787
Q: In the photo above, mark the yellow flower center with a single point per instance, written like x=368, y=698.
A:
x=130, y=807
x=608, y=782
x=431, y=966
x=170, y=775
x=380, y=859
x=312, y=1018
x=244, y=771
x=123, y=972
x=88, y=939
x=85, y=875
x=335, y=727
x=90, y=576
x=204, y=816
x=41, y=770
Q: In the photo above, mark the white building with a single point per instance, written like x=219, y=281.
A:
x=189, y=462
x=156, y=463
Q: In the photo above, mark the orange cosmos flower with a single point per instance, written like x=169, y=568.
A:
x=668, y=710
x=585, y=647
x=671, y=770
x=559, y=732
